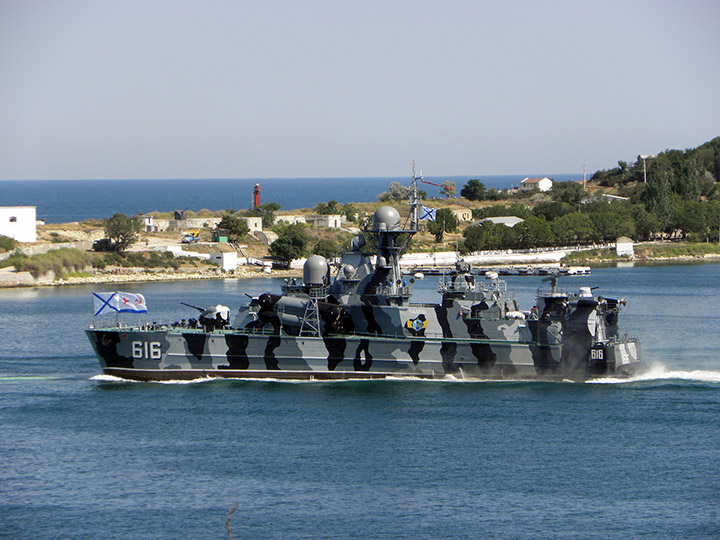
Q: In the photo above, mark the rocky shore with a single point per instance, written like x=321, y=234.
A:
x=137, y=275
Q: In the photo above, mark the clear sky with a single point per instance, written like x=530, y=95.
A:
x=239, y=89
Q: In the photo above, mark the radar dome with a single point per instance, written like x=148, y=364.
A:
x=386, y=218
x=315, y=270
x=348, y=270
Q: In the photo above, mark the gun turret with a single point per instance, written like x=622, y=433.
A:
x=194, y=307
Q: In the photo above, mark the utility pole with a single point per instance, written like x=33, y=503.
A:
x=644, y=157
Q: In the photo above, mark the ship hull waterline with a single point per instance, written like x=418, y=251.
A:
x=162, y=355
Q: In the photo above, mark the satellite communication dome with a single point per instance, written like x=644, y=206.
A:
x=315, y=270
x=348, y=270
x=386, y=218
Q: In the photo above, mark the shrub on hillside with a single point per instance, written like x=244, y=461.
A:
x=6, y=243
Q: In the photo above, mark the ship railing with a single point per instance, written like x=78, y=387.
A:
x=388, y=290
x=447, y=284
x=548, y=291
x=318, y=293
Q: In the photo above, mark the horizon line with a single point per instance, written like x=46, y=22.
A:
x=379, y=177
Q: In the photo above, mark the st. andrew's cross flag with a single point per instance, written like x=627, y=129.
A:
x=427, y=213
x=118, y=302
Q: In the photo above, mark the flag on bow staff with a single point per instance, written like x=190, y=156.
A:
x=119, y=302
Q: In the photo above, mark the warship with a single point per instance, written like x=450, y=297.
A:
x=361, y=323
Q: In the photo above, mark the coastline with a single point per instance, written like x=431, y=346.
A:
x=141, y=275
x=25, y=280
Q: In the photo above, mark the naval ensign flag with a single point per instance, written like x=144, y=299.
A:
x=119, y=302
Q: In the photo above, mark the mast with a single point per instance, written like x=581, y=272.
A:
x=414, y=200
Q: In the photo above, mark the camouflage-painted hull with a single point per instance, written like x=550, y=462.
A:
x=191, y=353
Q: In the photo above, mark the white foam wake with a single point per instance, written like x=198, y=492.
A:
x=108, y=378
x=658, y=372
x=112, y=378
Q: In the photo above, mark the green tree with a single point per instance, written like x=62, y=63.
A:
x=567, y=192
x=690, y=217
x=445, y=221
x=292, y=243
x=572, y=228
x=488, y=235
x=236, y=227
x=474, y=190
x=328, y=208
x=552, y=210
x=515, y=209
x=645, y=223
x=6, y=243
x=351, y=212
x=607, y=226
x=396, y=192
x=658, y=198
x=326, y=248
x=448, y=189
x=122, y=231
x=534, y=232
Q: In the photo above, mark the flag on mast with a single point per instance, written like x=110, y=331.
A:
x=427, y=213
x=119, y=302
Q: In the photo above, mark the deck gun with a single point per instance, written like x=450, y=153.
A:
x=194, y=307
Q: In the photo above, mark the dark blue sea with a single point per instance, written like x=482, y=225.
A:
x=63, y=201
x=88, y=456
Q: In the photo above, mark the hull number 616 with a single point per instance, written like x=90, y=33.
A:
x=146, y=350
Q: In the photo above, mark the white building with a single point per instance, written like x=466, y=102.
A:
x=464, y=214
x=543, y=184
x=253, y=223
x=624, y=247
x=332, y=221
x=18, y=222
x=225, y=260
x=149, y=223
x=508, y=221
x=290, y=219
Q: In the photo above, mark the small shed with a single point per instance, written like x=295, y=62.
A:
x=226, y=260
x=220, y=235
x=624, y=247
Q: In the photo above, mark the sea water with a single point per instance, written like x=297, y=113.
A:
x=63, y=201
x=90, y=456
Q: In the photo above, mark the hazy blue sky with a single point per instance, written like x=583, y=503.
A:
x=195, y=89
